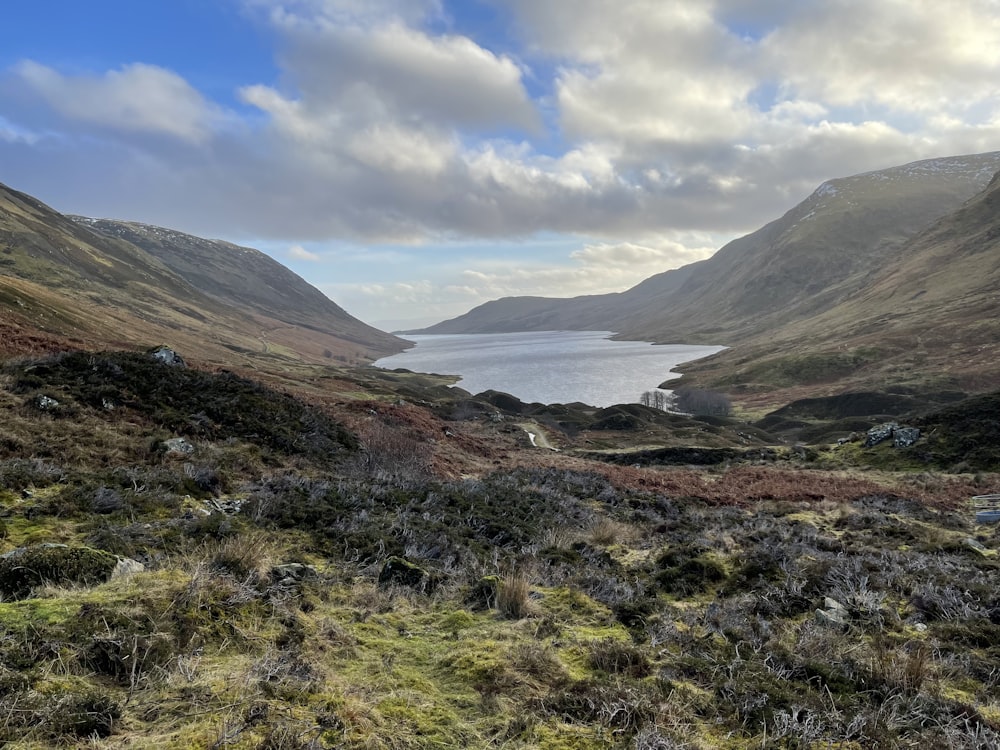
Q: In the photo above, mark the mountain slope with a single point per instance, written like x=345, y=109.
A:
x=244, y=278
x=817, y=254
x=810, y=259
x=926, y=321
x=62, y=282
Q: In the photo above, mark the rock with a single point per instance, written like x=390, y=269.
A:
x=400, y=571
x=833, y=614
x=127, y=567
x=178, y=446
x=168, y=356
x=289, y=574
x=24, y=568
x=45, y=403
x=904, y=437
x=880, y=433
x=833, y=605
x=977, y=546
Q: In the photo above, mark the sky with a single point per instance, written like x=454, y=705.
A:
x=415, y=158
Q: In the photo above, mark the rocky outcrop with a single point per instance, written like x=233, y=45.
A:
x=902, y=437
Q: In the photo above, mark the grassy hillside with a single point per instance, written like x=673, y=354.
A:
x=366, y=574
x=925, y=323
x=62, y=281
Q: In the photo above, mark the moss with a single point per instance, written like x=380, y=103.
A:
x=25, y=568
x=458, y=620
x=561, y=736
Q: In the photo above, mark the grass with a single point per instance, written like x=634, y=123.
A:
x=574, y=604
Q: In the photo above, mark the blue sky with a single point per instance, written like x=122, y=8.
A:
x=414, y=158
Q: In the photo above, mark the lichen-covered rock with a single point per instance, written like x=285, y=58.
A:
x=290, y=574
x=127, y=567
x=904, y=437
x=880, y=433
x=167, y=356
x=834, y=614
x=178, y=446
x=45, y=403
x=24, y=568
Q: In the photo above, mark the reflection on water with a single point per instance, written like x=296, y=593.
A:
x=549, y=366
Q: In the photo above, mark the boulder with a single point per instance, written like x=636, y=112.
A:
x=45, y=403
x=834, y=614
x=178, y=446
x=290, y=574
x=127, y=567
x=880, y=433
x=904, y=437
x=167, y=356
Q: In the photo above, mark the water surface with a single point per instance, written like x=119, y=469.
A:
x=549, y=366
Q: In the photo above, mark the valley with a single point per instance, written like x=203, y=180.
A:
x=252, y=539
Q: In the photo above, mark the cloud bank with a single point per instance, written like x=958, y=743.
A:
x=638, y=127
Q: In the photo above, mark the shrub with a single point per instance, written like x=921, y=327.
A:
x=618, y=657
x=189, y=402
x=23, y=569
x=688, y=570
x=86, y=715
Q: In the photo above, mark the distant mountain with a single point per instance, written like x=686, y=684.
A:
x=809, y=260
x=84, y=282
x=600, y=312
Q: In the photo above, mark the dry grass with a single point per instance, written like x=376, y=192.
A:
x=514, y=596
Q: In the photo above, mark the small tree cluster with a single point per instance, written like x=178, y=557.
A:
x=698, y=401
x=656, y=399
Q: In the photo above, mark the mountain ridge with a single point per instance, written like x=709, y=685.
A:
x=73, y=284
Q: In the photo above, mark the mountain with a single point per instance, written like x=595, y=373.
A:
x=81, y=282
x=816, y=255
x=243, y=278
x=925, y=323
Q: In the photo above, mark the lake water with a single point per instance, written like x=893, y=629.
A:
x=549, y=366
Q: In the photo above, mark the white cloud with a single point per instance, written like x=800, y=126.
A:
x=13, y=134
x=632, y=126
x=297, y=252
x=921, y=56
x=136, y=98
